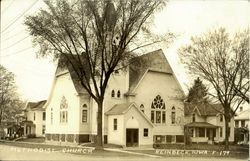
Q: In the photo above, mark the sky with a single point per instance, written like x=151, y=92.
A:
x=34, y=76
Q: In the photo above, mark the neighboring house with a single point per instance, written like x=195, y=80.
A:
x=8, y=129
x=35, y=119
x=205, y=124
x=241, y=123
x=140, y=106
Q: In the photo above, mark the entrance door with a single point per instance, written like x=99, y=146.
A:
x=132, y=137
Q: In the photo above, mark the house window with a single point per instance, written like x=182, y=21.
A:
x=118, y=94
x=193, y=117
x=221, y=131
x=84, y=113
x=43, y=130
x=112, y=93
x=236, y=123
x=221, y=118
x=142, y=108
x=158, y=109
x=242, y=123
x=115, y=124
x=34, y=116
x=51, y=116
x=44, y=116
x=173, y=115
x=145, y=132
x=63, y=110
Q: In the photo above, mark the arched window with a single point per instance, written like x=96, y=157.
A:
x=158, y=112
x=173, y=115
x=63, y=110
x=142, y=108
x=118, y=94
x=112, y=93
x=84, y=113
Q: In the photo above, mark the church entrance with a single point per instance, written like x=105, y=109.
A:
x=132, y=137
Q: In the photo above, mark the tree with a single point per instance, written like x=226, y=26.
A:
x=197, y=93
x=217, y=58
x=9, y=101
x=94, y=38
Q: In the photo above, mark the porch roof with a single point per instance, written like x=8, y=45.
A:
x=200, y=124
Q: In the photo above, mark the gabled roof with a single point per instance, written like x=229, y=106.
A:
x=243, y=115
x=203, y=109
x=120, y=109
x=35, y=106
x=155, y=61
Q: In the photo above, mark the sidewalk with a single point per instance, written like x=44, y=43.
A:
x=120, y=150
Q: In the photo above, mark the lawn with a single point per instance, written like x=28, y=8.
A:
x=32, y=140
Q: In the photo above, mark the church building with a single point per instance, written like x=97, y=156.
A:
x=141, y=107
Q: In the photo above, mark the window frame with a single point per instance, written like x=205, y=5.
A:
x=84, y=111
x=115, y=126
x=157, y=108
x=173, y=116
x=118, y=94
x=113, y=94
x=145, y=132
x=44, y=116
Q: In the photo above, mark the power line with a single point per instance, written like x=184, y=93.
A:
x=19, y=16
x=15, y=43
x=16, y=52
x=13, y=35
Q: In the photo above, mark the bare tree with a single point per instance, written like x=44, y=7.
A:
x=94, y=37
x=217, y=58
x=9, y=100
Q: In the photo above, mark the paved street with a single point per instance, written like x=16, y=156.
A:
x=17, y=153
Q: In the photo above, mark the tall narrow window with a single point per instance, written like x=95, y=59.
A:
x=34, y=116
x=173, y=115
x=118, y=94
x=51, y=116
x=163, y=117
x=112, y=93
x=145, y=132
x=158, y=110
x=44, y=116
x=43, y=129
x=63, y=111
x=158, y=116
x=115, y=124
x=152, y=116
x=142, y=108
x=84, y=113
x=194, y=117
